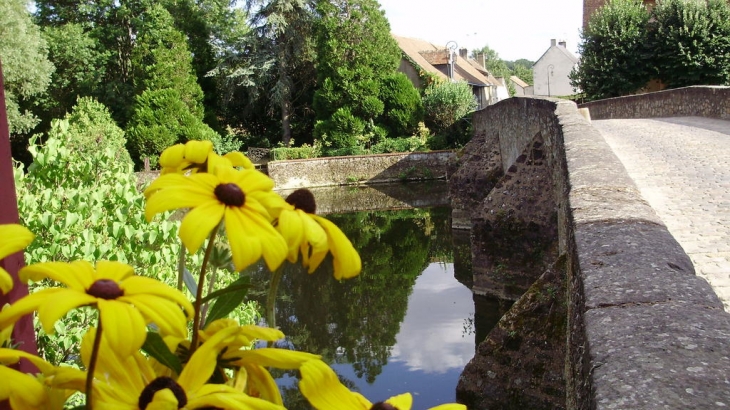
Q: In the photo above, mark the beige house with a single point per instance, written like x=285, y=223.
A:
x=550, y=72
x=421, y=56
x=521, y=87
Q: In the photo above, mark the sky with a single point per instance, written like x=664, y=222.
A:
x=513, y=28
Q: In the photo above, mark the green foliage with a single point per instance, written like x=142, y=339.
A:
x=495, y=65
x=91, y=128
x=25, y=65
x=403, y=108
x=447, y=102
x=523, y=71
x=303, y=152
x=355, y=53
x=615, y=52
x=405, y=144
x=691, y=42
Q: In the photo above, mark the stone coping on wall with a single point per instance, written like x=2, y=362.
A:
x=646, y=332
x=700, y=101
x=361, y=169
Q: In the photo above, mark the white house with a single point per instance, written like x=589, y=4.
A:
x=550, y=72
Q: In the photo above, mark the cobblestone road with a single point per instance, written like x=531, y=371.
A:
x=682, y=168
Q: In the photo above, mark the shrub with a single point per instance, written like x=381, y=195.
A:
x=446, y=102
x=403, y=105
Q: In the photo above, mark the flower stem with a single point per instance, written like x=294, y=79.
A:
x=201, y=285
x=92, y=364
x=271, y=297
x=181, y=266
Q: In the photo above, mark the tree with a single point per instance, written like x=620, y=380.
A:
x=691, y=41
x=495, y=65
x=616, y=56
x=355, y=53
x=26, y=69
x=447, y=102
x=523, y=69
x=403, y=108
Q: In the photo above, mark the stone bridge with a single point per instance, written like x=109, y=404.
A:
x=588, y=226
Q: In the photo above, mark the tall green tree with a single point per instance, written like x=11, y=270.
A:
x=26, y=68
x=168, y=107
x=355, y=53
x=495, y=64
x=616, y=57
x=691, y=42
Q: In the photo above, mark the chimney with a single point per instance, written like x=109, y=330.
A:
x=562, y=43
x=482, y=59
x=463, y=53
x=552, y=42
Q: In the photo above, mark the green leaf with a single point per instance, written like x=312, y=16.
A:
x=228, y=299
x=190, y=281
x=71, y=218
x=156, y=347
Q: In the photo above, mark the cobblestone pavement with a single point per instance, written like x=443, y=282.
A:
x=682, y=168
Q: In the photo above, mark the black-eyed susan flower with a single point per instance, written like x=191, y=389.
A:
x=131, y=382
x=243, y=199
x=13, y=238
x=126, y=302
x=320, y=385
x=198, y=156
x=313, y=237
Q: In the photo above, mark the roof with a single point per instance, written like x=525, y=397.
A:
x=518, y=81
x=430, y=57
x=573, y=59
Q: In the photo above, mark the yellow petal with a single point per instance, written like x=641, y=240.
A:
x=272, y=357
x=197, y=151
x=239, y=160
x=320, y=385
x=273, y=245
x=55, y=306
x=24, y=306
x=116, y=271
x=163, y=313
x=291, y=228
x=220, y=396
x=163, y=400
x=23, y=390
x=77, y=275
x=449, y=406
x=244, y=242
x=262, y=333
x=13, y=238
x=401, y=402
x=172, y=156
x=346, y=260
x=261, y=384
x=6, y=281
x=142, y=285
x=123, y=326
x=250, y=179
x=203, y=362
x=198, y=223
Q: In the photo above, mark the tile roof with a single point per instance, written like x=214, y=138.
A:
x=518, y=81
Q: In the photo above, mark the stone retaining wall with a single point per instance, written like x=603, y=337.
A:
x=699, y=101
x=643, y=330
x=361, y=169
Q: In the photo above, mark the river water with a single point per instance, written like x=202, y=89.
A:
x=408, y=323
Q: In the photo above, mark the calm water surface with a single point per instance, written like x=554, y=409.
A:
x=406, y=324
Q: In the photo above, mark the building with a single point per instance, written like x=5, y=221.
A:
x=550, y=72
x=421, y=57
x=521, y=87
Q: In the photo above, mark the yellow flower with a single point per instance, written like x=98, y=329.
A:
x=320, y=385
x=198, y=156
x=47, y=391
x=130, y=382
x=126, y=302
x=242, y=199
x=13, y=238
x=313, y=237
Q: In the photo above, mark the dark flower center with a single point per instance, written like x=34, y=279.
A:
x=161, y=383
x=304, y=200
x=105, y=289
x=230, y=194
x=383, y=406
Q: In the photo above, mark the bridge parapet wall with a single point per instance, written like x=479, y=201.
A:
x=695, y=101
x=643, y=330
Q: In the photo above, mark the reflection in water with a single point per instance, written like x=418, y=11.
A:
x=404, y=325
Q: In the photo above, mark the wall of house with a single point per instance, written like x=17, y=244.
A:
x=410, y=71
x=550, y=74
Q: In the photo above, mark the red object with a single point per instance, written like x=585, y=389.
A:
x=23, y=333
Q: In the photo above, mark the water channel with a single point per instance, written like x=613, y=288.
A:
x=409, y=322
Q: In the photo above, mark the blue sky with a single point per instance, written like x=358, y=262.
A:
x=514, y=28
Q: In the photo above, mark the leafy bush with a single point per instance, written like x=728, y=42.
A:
x=303, y=152
x=340, y=132
x=407, y=144
x=447, y=102
x=403, y=105
x=691, y=41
